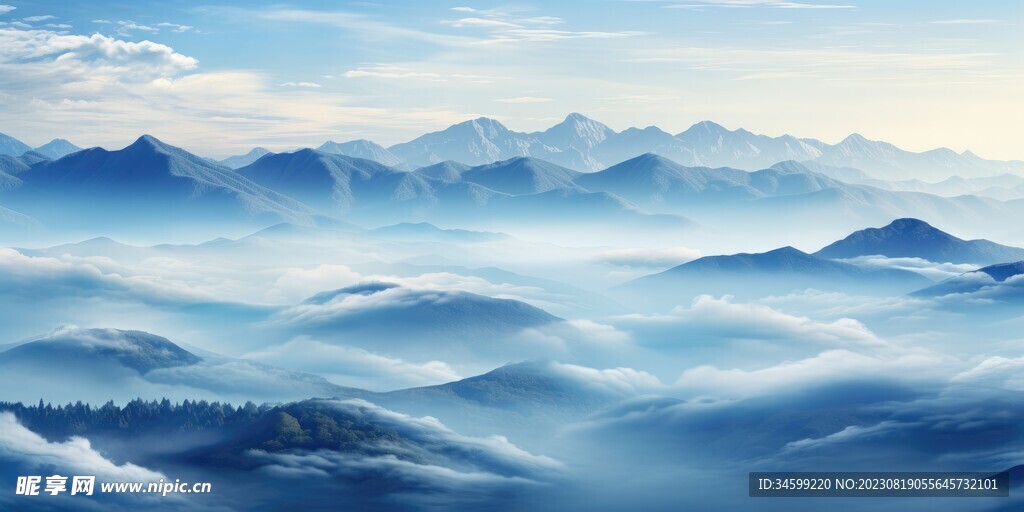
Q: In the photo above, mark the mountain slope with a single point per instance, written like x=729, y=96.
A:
x=913, y=238
x=136, y=350
x=11, y=146
x=338, y=183
x=658, y=183
x=521, y=175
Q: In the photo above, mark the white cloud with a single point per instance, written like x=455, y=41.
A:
x=547, y=35
x=70, y=276
x=848, y=434
x=299, y=283
x=311, y=85
x=931, y=270
x=74, y=456
x=648, y=258
x=625, y=381
x=722, y=317
x=92, y=59
x=39, y=18
x=995, y=372
x=524, y=99
x=432, y=456
x=827, y=367
x=4, y=9
x=147, y=87
x=350, y=366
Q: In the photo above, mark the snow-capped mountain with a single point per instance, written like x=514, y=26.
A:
x=713, y=145
x=583, y=144
x=475, y=142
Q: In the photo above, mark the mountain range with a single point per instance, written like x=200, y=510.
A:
x=157, y=182
x=585, y=145
x=778, y=271
x=54, y=149
x=650, y=191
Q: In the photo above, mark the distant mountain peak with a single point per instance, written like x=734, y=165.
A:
x=1004, y=271
x=148, y=141
x=488, y=122
x=712, y=126
x=787, y=250
x=137, y=350
x=56, y=148
x=910, y=237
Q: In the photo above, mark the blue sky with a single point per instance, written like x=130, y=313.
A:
x=218, y=78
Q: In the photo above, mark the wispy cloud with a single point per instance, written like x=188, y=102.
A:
x=964, y=22
x=312, y=85
x=828, y=63
x=129, y=25
x=524, y=99
x=4, y=9
x=757, y=3
x=481, y=22
x=392, y=72
x=39, y=18
x=503, y=26
x=368, y=27
x=174, y=26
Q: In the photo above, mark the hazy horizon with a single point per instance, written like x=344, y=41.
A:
x=220, y=79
